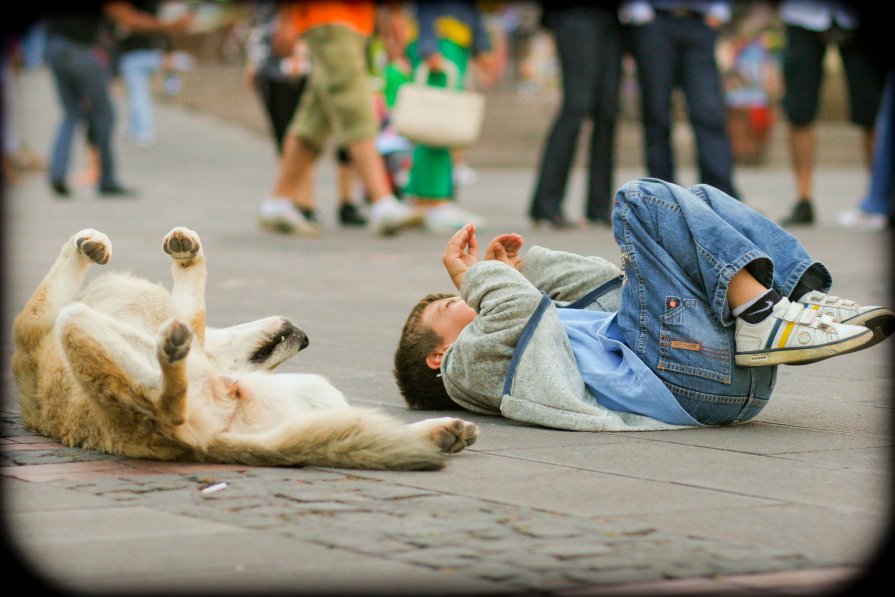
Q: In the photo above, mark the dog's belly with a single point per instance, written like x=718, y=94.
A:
x=130, y=300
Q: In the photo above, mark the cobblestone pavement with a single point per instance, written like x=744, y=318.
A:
x=476, y=545
x=796, y=502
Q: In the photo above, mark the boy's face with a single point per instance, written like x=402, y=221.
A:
x=447, y=317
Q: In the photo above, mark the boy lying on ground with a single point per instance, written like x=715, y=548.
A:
x=712, y=298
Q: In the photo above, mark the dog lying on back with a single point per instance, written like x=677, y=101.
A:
x=126, y=367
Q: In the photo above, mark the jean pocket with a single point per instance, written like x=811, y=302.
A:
x=692, y=342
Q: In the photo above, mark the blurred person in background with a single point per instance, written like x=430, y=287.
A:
x=81, y=67
x=589, y=46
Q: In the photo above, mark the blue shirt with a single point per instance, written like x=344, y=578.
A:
x=613, y=374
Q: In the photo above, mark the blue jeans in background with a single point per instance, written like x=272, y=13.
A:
x=137, y=68
x=680, y=248
x=81, y=74
x=882, y=178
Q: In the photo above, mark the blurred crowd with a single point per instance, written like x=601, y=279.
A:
x=731, y=70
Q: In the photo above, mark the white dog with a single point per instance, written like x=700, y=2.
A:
x=126, y=367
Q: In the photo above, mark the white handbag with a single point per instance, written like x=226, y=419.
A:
x=438, y=116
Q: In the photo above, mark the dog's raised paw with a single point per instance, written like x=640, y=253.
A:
x=182, y=244
x=175, y=341
x=453, y=435
x=94, y=245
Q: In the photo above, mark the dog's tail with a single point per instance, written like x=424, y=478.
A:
x=339, y=438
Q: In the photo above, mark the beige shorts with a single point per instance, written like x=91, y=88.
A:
x=339, y=99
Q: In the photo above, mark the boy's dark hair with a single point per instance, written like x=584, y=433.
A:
x=420, y=385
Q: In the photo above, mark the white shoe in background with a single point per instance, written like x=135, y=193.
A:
x=449, y=217
x=388, y=216
x=862, y=221
x=280, y=215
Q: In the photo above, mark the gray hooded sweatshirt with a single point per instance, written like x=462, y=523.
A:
x=515, y=358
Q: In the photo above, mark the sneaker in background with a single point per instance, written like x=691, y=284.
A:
x=802, y=214
x=282, y=216
x=862, y=221
x=349, y=215
x=388, y=216
x=448, y=217
x=465, y=175
x=796, y=335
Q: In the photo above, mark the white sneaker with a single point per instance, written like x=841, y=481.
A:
x=449, y=218
x=862, y=221
x=465, y=175
x=280, y=215
x=879, y=319
x=388, y=216
x=796, y=335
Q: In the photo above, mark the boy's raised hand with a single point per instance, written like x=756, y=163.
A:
x=506, y=248
x=461, y=252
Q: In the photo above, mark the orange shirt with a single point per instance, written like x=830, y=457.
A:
x=359, y=15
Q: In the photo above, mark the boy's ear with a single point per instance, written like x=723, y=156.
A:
x=433, y=359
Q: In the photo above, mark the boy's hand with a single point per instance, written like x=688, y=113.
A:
x=461, y=253
x=506, y=248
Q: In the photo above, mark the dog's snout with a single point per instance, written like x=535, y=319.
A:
x=298, y=334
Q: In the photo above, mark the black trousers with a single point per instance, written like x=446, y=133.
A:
x=280, y=99
x=588, y=42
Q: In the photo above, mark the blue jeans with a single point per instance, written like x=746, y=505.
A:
x=81, y=74
x=680, y=248
x=137, y=68
x=674, y=51
x=882, y=179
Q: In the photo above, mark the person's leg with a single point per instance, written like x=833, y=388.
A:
x=882, y=178
x=346, y=182
x=865, y=77
x=577, y=43
x=604, y=115
x=802, y=144
x=681, y=251
x=93, y=73
x=674, y=312
x=655, y=56
x=282, y=103
x=797, y=277
x=701, y=82
x=338, y=54
x=874, y=212
x=803, y=73
x=292, y=190
x=67, y=90
x=137, y=68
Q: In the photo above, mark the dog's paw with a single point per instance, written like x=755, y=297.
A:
x=174, y=344
x=182, y=244
x=450, y=434
x=94, y=245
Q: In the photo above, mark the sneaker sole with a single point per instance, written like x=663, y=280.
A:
x=805, y=356
x=284, y=227
x=391, y=228
x=881, y=321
